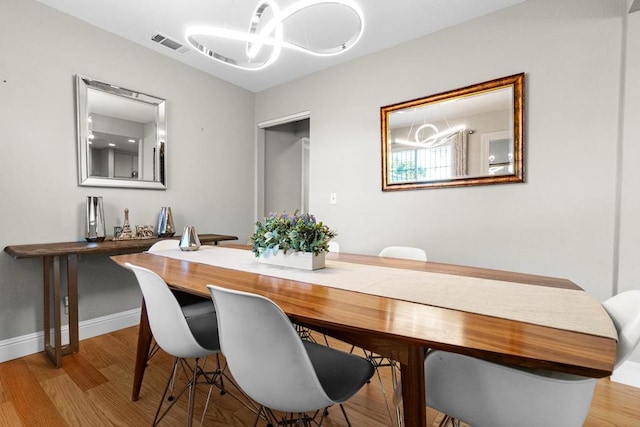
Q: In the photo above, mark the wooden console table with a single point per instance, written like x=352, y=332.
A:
x=51, y=254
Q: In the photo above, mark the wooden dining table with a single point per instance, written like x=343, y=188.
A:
x=397, y=328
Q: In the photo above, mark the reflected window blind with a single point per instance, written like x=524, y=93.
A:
x=421, y=164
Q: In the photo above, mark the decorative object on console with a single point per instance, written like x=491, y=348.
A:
x=144, y=232
x=165, y=223
x=189, y=240
x=94, y=225
x=296, y=240
x=125, y=232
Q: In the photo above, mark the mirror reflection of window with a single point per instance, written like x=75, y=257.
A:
x=421, y=164
x=447, y=159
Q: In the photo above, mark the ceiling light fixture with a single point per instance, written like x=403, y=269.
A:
x=271, y=34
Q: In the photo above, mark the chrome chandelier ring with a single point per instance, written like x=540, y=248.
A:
x=270, y=35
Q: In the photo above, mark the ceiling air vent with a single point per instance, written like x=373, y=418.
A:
x=171, y=44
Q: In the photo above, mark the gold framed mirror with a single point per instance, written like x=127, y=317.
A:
x=468, y=136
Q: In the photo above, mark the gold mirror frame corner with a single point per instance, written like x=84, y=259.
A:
x=516, y=82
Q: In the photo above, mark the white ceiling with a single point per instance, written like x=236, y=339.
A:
x=386, y=23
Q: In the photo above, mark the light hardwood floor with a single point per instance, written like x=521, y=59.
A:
x=93, y=388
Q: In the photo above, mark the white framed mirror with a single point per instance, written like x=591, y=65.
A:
x=121, y=136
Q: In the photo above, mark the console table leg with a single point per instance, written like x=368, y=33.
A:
x=52, y=270
x=72, y=293
x=46, y=279
x=142, y=352
x=52, y=276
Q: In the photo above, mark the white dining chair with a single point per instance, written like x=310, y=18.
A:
x=401, y=252
x=278, y=369
x=192, y=305
x=164, y=244
x=624, y=310
x=404, y=252
x=334, y=247
x=193, y=338
x=486, y=394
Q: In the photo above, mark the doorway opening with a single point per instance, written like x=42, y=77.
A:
x=284, y=149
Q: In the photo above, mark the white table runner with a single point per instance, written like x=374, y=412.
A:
x=568, y=309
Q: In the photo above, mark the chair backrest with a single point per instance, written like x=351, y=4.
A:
x=265, y=354
x=165, y=244
x=486, y=394
x=334, y=247
x=167, y=322
x=624, y=310
x=404, y=252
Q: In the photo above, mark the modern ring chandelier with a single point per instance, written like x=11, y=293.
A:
x=270, y=34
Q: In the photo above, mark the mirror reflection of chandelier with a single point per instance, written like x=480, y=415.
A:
x=435, y=139
x=263, y=32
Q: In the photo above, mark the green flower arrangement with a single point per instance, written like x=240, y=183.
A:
x=297, y=233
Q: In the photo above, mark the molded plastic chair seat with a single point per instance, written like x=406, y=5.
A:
x=192, y=305
x=482, y=393
x=336, y=370
x=201, y=327
x=274, y=366
x=486, y=394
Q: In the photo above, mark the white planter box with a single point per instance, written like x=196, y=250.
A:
x=302, y=260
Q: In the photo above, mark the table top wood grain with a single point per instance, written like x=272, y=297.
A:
x=388, y=326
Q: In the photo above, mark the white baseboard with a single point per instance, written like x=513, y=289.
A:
x=628, y=373
x=25, y=345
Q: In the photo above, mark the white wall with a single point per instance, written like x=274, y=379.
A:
x=629, y=277
x=560, y=222
x=210, y=129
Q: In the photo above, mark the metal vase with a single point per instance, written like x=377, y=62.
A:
x=189, y=240
x=165, y=223
x=94, y=224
